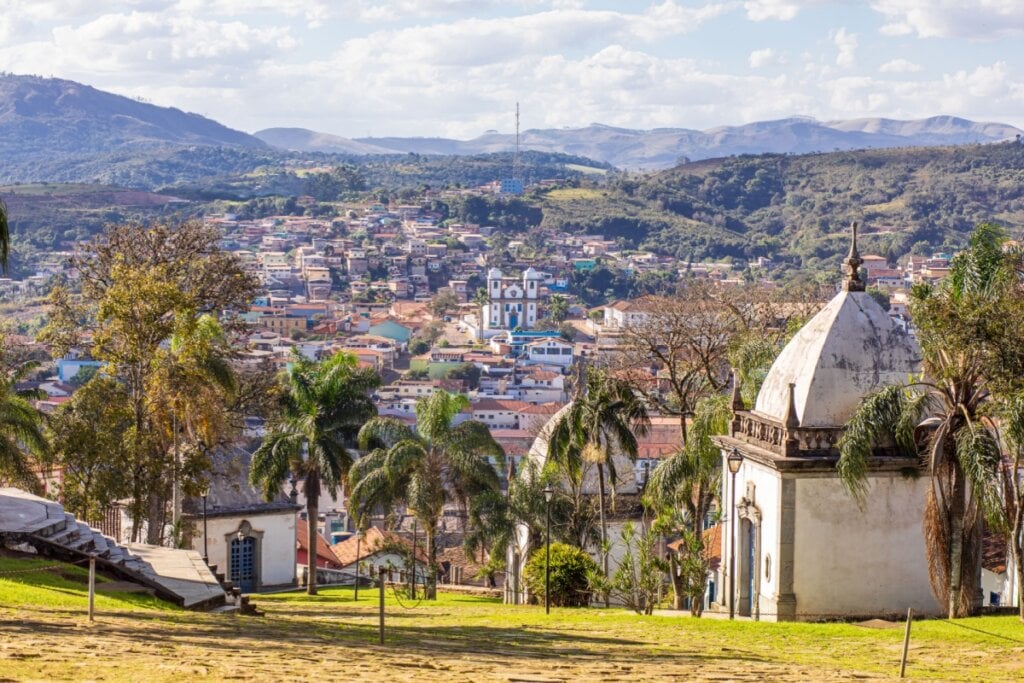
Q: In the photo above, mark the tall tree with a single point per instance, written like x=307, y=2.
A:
x=438, y=463
x=689, y=480
x=90, y=444
x=968, y=343
x=140, y=285
x=603, y=420
x=322, y=411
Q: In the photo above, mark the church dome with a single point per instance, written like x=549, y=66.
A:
x=532, y=274
x=494, y=274
x=850, y=349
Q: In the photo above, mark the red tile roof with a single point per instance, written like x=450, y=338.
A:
x=323, y=548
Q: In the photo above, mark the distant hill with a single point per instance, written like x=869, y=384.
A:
x=665, y=147
x=303, y=140
x=47, y=124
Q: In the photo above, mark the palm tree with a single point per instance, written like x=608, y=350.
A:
x=962, y=328
x=425, y=468
x=5, y=237
x=689, y=480
x=323, y=409
x=20, y=430
x=605, y=418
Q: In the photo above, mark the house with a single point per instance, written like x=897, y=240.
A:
x=250, y=540
x=621, y=314
x=550, y=351
x=375, y=549
x=325, y=557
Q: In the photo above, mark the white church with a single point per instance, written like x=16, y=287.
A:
x=511, y=302
x=803, y=549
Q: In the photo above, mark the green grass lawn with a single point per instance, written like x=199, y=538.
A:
x=47, y=584
x=466, y=638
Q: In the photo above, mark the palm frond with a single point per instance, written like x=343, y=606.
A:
x=383, y=432
x=881, y=417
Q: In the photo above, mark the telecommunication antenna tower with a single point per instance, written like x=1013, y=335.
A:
x=515, y=157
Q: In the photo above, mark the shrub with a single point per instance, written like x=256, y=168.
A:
x=570, y=569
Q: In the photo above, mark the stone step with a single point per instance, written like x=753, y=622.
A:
x=99, y=543
x=66, y=535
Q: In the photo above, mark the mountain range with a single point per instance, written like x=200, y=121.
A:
x=59, y=130
x=665, y=147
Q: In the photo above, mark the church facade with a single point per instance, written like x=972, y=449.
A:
x=796, y=545
x=511, y=303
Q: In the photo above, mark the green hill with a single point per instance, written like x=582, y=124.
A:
x=797, y=208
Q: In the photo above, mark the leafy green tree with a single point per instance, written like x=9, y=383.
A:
x=605, y=418
x=140, y=286
x=557, y=308
x=443, y=303
x=90, y=437
x=424, y=469
x=969, y=345
x=322, y=411
x=689, y=481
x=22, y=440
x=571, y=571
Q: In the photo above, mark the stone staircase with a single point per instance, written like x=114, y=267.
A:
x=177, y=575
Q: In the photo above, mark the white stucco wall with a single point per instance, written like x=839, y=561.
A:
x=849, y=561
x=277, y=544
x=767, y=497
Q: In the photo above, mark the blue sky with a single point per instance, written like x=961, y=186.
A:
x=456, y=67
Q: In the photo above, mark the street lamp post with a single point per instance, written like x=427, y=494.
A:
x=359, y=540
x=205, y=493
x=735, y=459
x=548, y=493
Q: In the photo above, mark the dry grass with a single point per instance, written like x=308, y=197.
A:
x=463, y=638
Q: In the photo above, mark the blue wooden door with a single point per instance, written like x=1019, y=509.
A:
x=243, y=564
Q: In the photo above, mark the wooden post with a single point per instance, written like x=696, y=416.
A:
x=92, y=586
x=906, y=642
x=381, y=582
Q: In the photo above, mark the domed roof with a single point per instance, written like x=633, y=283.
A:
x=538, y=453
x=532, y=274
x=850, y=349
x=494, y=274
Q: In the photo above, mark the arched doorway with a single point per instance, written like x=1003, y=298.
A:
x=244, y=557
x=748, y=557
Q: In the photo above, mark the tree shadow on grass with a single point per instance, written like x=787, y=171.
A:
x=283, y=634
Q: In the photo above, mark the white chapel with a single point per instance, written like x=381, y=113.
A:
x=511, y=303
x=803, y=548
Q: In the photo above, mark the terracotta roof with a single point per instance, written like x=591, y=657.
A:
x=323, y=548
x=712, y=545
x=993, y=552
x=541, y=409
x=499, y=404
x=373, y=539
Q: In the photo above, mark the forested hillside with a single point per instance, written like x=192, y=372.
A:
x=796, y=208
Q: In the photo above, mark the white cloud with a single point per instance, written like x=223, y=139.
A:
x=846, y=44
x=979, y=19
x=763, y=10
x=765, y=57
x=900, y=66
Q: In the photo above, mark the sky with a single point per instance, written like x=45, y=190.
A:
x=456, y=68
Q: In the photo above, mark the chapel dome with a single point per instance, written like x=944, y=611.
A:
x=850, y=349
x=494, y=274
x=538, y=453
x=532, y=274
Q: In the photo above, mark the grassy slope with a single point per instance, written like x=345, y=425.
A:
x=467, y=638
x=49, y=584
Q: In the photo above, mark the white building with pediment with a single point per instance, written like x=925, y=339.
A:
x=795, y=544
x=512, y=303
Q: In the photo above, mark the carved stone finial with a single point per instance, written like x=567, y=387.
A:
x=851, y=266
x=737, y=398
x=791, y=421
